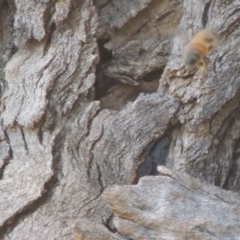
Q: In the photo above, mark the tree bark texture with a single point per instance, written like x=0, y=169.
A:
x=177, y=207
x=94, y=94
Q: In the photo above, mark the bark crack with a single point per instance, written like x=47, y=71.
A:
x=100, y=178
x=91, y=157
x=205, y=13
x=24, y=139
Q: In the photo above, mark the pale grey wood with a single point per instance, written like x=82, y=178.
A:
x=206, y=144
x=61, y=145
x=174, y=206
x=36, y=105
x=84, y=229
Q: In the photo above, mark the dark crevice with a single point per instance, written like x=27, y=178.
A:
x=50, y=9
x=228, y=184
x=155, y=74
x=205, y=14
x=221, y=136
x=109, y=224
x=233, y=173
x=51, y=118
x=6, y=160
x=90, y=162
x=40, y=135
x=108, y=2
x=4, y=4
x=59, y=142
x=49, y=38
x=156, y=154
x=100, y=179
x=89, y=168
x=5, y=163
x=105, y=54
x=13, y=50
x=9, y=144
x=118, y=95
x=40, y=122
x=114, y=94
x=103, y=83
x=7, y=4
x=225, y=129
x=24, y=139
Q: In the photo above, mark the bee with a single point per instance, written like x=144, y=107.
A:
x=195, y=54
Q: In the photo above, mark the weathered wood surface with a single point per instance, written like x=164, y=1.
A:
x=84, y=229
x=70, y=127
x=174, y=206
x=206, y=142
x=143, y=44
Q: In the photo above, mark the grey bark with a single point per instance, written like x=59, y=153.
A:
x=177, y=207
x=95, y=94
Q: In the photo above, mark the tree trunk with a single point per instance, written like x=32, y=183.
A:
x=94, y=94
x=177, y=207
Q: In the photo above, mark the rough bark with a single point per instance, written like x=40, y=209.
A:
x=95, y=94
x=177, y=207
x=206, y=140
